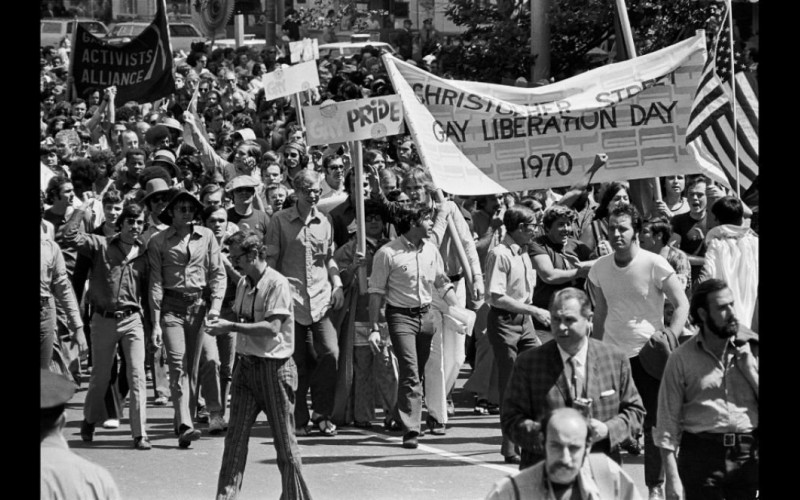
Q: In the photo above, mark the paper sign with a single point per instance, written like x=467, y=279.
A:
x=354, y=120
x=290, y=80
x=306, y=49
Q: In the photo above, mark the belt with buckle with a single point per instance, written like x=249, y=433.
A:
x=118, y=315
x=184, y=296
x=411, y=311
x=726, y=439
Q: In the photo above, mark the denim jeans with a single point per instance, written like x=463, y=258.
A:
x=316, y=354
x=106, y=333
x=411, y=340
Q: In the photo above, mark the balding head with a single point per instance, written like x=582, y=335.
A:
x=566, y=442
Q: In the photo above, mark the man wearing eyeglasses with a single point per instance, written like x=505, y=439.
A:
x=333, y=186
x=187, y=285
x=117, y=283
x=300, y=246
x=243, y=190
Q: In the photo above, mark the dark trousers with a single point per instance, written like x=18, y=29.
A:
x=316, y=354
x=268, y=385
x=411, y=336
x=648, y=390
x=509, y=335
x=711, y=471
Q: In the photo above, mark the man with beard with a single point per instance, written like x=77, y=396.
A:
x=629, y=287
x=568, y=471
x=708, y=404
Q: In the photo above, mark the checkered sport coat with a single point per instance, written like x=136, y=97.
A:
x=538, y=384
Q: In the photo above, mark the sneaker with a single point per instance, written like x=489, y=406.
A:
x=655, y=493
x=160, y=401
x=434, y=427
x=111, y=423
x=217, y=424
x=141, y=443
x=481, y=407
x=187, y=436
x=87, y=431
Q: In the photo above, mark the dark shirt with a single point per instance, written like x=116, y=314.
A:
x=693, y=237
x=542, y=245
x=341, y=217
x=257, y=222
x=115, y=282
x=70, y=254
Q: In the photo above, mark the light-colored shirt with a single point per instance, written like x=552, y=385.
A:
x=701, y=393
x=185, y=265
x=54, y=282
x=444, y=241
x=635, y=298
x=509, y=272
x=301, y=251
x=579, y=360
x=406, y=274
x=330, y=198
x=271, y=296
x=65, y=475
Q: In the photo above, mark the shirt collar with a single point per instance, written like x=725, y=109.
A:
x=580, y=356
x=116, y=237
x=314, y=213
x=410, y=246
x=171, y=231
x=512, y=245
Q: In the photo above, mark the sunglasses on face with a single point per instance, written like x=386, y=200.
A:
x=134, y=222
x=292, y=155
x=186, y=210
x=244, y=191
x=372, y=218
x=312, y=191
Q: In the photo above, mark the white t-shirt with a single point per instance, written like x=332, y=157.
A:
x=635, y=298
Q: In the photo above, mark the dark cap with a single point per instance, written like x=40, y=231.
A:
x=55, y=390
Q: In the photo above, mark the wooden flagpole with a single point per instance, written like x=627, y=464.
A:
x=361, y=233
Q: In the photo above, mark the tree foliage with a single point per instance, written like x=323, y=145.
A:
x=496, y=42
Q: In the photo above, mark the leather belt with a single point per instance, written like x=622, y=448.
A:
x=118, y=315
x=455, y=277
x=411, y=311
x=184, y=296
x=727, y=440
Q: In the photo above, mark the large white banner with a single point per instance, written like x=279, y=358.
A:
x=634, y=111
x=353, y=120
x=290, y=80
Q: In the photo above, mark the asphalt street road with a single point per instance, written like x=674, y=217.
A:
x=356, y=464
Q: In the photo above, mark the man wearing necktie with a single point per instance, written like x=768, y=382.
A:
x=575, y=371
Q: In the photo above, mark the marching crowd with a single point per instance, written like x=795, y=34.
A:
x=199, y=244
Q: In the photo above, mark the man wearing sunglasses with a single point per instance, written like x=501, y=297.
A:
x=333, y=187
x=243, y=191
x=118, y=281
x=187, y=285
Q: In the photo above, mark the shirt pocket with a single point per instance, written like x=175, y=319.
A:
x=318, y=248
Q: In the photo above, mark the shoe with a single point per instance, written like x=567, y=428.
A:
x=160, y=401
x=87, y=431
x=656, y=493
x=410, y=440
x=217, y=424
x=141, y=443
x=493, y=409
x=434, y=427
x=304, y=430
x=362, y=425
x=203, y=415
x=481, y=407
x=111, y=423
x=451, y=408
x=513, y=459
x=632, y=446
x=392, y=425
x=326, y=427
x=187, y=436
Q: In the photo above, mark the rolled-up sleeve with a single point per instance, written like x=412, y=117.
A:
x=667, y=434
x=381, y=266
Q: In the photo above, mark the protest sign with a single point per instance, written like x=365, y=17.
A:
x=306, y=49
x=635, y=111
x=141, y=69
x=288, y=80
x=353, y=120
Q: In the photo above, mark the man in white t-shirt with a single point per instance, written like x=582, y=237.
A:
x=629, y=287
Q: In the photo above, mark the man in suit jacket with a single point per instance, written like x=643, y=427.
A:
x=574, y=371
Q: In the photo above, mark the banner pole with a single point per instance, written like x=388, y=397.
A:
x=72, y=90
x=729, y=6
x=299, y=112
x=361, y=233
x=466, y=270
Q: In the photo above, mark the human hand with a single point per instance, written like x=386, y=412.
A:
x=375, y=342
x=673, y=488
x=218, y=326
x=598, y=429
x=79, y=339
x=663, y=209
x=541, y=315
x=337, y=298
x=188, y=117
x=604, y=248
x=477, y=290
x=359, y=259
x=155, y=337
x=600, y=160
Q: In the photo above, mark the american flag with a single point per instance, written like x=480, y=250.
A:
x=710, y=134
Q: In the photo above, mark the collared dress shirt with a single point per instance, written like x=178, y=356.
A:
x=53, y=281
x=509, y=272
x=406, y=274
x=64, y=474
x=185, y=266
x=301, y=250
x=701, y=393
x=579, y=361
x=254, y=303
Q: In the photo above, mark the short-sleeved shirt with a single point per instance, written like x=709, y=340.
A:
x=542, y=245
x=63, y=474
x=509, y=272
x=406, y=274
x=257, y=222
x=635, y=298
x=693, y=234
x=300, y=251
x=271, y=296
